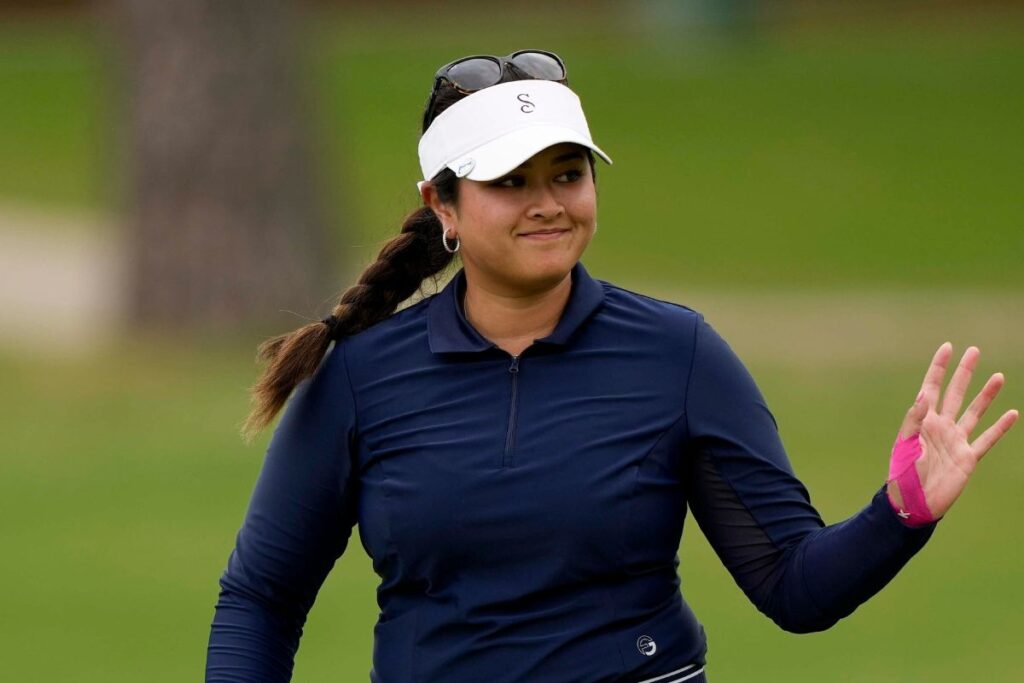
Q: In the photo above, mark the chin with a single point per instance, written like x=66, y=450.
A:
x=549, y=272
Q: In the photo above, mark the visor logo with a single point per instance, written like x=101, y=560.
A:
x=464, y=168
x=528, y=106
x=646, y=645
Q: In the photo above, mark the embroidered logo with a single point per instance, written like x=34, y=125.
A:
x=528, y=106
x=646, y=645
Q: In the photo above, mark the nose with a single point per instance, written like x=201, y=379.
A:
x=545, y=205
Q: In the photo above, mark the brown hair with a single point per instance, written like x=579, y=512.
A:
x=407, y=259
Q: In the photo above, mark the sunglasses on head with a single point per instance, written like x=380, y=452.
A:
x=469, y=74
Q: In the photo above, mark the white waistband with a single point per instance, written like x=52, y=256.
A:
x=685, y=673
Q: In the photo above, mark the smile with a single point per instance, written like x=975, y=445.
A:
x=546, y=235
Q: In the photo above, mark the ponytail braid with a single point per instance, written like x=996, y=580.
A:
x=402, y=265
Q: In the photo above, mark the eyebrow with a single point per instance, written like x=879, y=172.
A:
x=563, y=157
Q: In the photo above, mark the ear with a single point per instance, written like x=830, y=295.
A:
x=445, y=212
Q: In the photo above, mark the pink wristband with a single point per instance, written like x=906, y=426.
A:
x=903, y=471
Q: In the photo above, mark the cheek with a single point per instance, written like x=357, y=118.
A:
x=486, y=235
x=489, y=223
x=583, y=203
x=584, y=216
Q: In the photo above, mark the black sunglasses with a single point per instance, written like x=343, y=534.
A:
x=469, y=74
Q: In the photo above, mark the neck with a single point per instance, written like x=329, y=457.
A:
x=514, y=321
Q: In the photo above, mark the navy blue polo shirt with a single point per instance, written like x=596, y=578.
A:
x=524, y=513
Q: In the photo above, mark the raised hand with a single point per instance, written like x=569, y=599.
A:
x=947, y=458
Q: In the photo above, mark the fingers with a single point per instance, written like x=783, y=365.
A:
x=954, y=396
x=932, y=385
x=992, y=435
x=981, y=402
x=915, y=416
x=929, y=395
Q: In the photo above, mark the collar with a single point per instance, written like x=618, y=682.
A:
x=448, y=331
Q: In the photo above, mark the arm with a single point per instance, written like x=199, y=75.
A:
x=757, y=515
x=298, y=523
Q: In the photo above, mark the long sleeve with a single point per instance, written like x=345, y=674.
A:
x=298, y=523
x=757, y=515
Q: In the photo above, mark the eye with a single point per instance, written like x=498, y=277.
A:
x=509, y=181
x=512, y=181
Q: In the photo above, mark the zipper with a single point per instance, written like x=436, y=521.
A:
x=513, y=369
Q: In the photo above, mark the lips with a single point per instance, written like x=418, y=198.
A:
x=550, y=231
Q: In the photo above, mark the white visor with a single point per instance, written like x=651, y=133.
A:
x=492, y=131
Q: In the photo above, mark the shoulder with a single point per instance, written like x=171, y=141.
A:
x=676, y=324
x=618, y=294
x=397, y=325
x=649, y=314
x=399, y=333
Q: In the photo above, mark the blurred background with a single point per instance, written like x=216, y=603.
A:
x=836, y=186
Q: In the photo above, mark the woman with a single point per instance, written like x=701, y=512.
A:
x=519, y=450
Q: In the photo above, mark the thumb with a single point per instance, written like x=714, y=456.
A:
x=915, y=416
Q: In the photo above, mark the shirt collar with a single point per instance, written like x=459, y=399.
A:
x=448, y=330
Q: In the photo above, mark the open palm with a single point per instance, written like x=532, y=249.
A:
x=948, y=458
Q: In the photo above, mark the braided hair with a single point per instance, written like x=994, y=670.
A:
x=407, y=259
x=402, y=265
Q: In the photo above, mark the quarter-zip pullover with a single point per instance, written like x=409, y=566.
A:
x=524, y=513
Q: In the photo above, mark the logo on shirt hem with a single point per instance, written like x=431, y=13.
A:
x=646, y=645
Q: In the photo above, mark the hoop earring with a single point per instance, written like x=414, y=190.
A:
x=444, y=241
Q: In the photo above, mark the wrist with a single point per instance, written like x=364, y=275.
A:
x=905, y=492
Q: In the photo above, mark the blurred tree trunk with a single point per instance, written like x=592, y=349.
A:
x=226, y=228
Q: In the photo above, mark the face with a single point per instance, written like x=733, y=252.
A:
x=523, y=232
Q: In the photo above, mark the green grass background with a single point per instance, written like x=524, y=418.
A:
x=871, y=154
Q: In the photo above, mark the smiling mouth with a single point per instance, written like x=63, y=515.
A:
x=553, y=231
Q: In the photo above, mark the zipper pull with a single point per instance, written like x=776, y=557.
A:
x=514, y=368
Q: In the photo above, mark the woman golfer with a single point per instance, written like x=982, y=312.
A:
x=519, y=450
